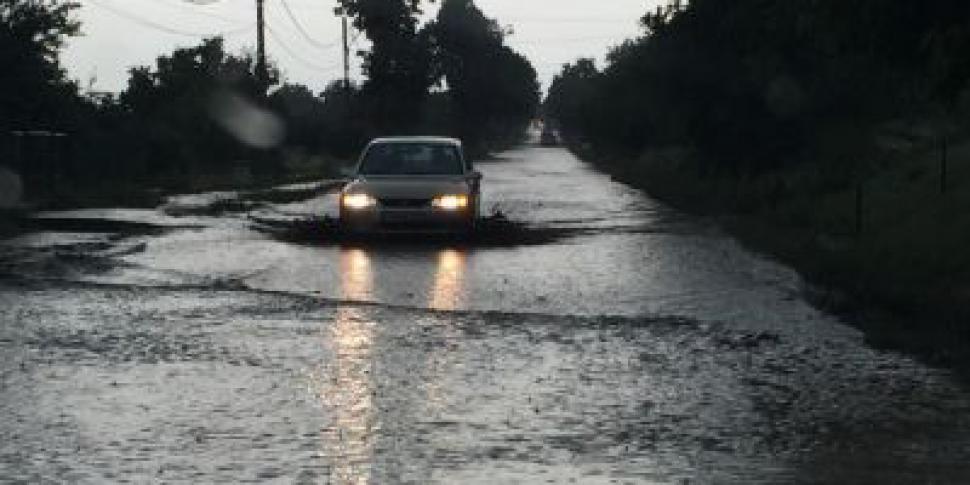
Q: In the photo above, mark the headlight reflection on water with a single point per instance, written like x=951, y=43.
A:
x=348, y=392
x=346, y=382
x=356, y=275
x=448, y=286
x=345, y=386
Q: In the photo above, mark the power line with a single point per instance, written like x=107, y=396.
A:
x=292, y=52
x=164, y=28
x=182, y=5
x=303, y=32
x=285, y=31
x=185, y=33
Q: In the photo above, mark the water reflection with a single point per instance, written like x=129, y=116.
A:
x=446, y=291
x=347, y=388
x=356, y=275
x=346, y=385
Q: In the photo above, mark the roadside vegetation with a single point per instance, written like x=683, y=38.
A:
x=201, y=118
x=831, y=134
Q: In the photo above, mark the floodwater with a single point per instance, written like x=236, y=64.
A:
x=639, y=345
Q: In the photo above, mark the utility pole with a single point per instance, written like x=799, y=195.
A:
x=346, y=55
x=261, y=75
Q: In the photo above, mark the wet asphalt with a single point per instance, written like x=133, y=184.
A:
x=628, y=344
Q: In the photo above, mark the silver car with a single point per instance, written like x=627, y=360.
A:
x=412, y=184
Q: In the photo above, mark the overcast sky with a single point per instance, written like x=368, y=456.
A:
x=119, y=34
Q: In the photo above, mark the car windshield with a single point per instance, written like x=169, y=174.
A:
x=412, y=159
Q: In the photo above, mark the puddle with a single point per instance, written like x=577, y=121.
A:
x=90, y=225
x=262, y=343
x=214, y=204
x=491, y=231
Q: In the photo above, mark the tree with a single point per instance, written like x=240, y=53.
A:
x=399, y=65
x=345, y=131
x=571, y=98
x=188, y=110
x=493, y=90
x=189, y=76
x=751, y=85
x=34, y=90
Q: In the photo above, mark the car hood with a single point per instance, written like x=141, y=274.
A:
x=408, y=187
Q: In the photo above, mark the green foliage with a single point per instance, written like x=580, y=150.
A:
x=169, y=109
x=399, y=64
x=383, y=17
x=325, y=124
x=753, y=84
x=190, y=75
x=493, y=90
x=34, y=91
x=572, y=96
x=200, y=113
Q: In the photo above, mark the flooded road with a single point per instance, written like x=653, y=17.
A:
x=640, y=345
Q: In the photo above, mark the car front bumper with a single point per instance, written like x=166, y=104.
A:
x=379, y=219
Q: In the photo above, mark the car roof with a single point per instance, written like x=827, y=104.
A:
x=436, y=140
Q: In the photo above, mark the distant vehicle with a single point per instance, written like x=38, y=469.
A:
x=412, y=184
x=548, y=138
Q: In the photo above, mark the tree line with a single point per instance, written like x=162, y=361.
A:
x=820, y=129
x=202, y=109
x=756, y=85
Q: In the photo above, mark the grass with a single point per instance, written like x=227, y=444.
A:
x=151, y=192
x=904, y=279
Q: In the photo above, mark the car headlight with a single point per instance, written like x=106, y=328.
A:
x=450, y=202
x=358, y=201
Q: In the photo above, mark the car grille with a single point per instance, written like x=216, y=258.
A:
x=406, y=203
